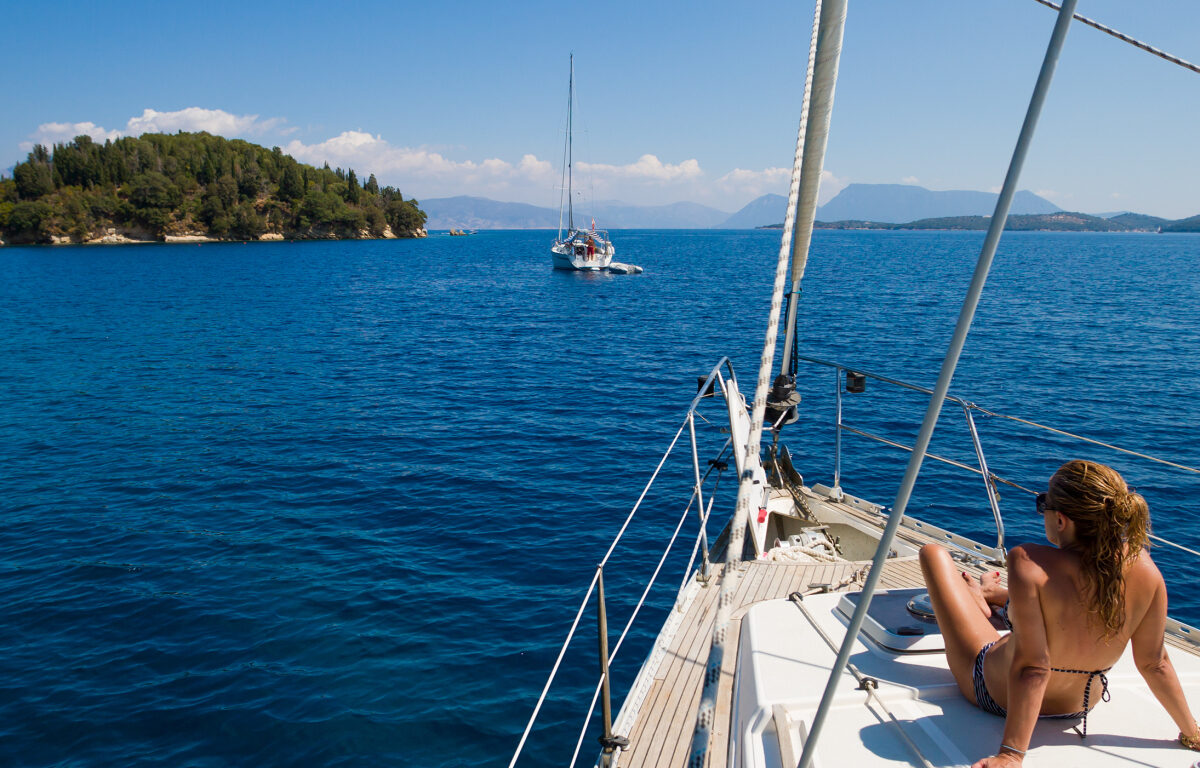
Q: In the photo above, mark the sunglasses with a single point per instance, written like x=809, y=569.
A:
x=1041, y=503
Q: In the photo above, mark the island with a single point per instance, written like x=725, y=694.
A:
x=191, y=187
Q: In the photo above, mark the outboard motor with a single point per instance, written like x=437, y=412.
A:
x=781, y=402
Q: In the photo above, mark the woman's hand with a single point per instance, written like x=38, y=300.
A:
x=1002, y=759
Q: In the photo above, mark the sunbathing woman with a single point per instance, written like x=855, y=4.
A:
x=1073, y=608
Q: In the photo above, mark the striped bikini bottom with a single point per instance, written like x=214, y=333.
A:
x=985, y=701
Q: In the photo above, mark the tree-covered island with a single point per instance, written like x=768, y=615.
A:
x=191, y=186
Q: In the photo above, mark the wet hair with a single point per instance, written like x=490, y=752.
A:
x=1112, y=525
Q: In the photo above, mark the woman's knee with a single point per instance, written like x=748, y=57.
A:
x=931, y=553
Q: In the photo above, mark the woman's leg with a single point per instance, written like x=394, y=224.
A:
x=960, y=614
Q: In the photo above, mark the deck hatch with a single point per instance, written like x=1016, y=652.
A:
x=890, y=623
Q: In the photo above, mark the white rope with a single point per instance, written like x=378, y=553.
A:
x=802, y=554
x=706, y=713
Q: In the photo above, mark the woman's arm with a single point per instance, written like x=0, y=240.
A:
x=1030, y=670
x=1150, y=655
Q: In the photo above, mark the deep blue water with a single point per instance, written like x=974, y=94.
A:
x=336, y=503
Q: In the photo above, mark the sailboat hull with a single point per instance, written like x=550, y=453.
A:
x=573, y=253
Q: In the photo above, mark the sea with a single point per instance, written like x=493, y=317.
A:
x=339, y=503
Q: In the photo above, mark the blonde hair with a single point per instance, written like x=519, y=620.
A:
x=1112, y=525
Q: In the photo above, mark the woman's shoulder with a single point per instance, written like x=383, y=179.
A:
x=1142, y=567
x=1033, y=554
x=1031, y=562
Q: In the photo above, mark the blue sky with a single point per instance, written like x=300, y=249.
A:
x=677, y=101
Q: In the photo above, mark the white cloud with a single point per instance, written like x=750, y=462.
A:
x=373, y=154
x=910, y=180
x=646, y=168
x=830, y=186
x=215, y=121
x=56, y=133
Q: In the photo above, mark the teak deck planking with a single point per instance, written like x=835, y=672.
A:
x=661, y=736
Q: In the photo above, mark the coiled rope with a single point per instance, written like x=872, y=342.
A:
x=1127, y=39
x=712, y=675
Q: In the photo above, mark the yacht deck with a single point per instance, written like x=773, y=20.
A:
x=661, y=733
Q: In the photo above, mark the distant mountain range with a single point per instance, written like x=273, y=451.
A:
x=879, y=206
x=480, y=213
x=1062, y=221
x=896, y=203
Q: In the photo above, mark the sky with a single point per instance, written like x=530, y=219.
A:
x=675, y=101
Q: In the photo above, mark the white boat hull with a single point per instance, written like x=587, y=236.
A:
x=569, y=254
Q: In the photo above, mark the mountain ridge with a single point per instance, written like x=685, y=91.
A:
x=856, y=203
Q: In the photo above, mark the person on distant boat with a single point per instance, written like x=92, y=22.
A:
x=591, y=247
x=1072, y=607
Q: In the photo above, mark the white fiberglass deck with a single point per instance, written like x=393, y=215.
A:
x=784, y=664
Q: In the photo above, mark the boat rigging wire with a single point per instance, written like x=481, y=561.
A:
x=591, y=587
x=1127, y=39
x=953, y=353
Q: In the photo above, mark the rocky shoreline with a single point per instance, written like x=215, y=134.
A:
x=119, y=236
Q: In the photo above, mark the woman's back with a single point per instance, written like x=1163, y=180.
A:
x=1075, y=636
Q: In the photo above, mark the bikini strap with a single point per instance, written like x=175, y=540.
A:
x=1087, y=688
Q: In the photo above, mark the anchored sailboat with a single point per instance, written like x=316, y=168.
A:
x=581, y=249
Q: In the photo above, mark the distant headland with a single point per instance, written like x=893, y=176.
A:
x=191, y=187
x=1061, y=221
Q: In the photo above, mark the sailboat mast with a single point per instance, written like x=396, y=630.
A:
x=570, y=147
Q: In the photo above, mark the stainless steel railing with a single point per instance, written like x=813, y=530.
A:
x=969, y=409
x=721, y=377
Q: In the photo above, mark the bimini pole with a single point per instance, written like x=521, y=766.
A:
x=966, y=314
x=829, y=52
x=748, y=484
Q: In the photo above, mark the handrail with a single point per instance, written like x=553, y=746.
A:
x=714, y=376
x=997, y=414
x=990, y=479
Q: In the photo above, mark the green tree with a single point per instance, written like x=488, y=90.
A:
x=291, y=185
x=33, y=178
x=404, y=217
x=29, y=222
